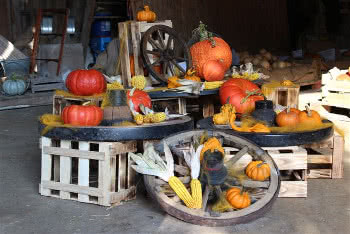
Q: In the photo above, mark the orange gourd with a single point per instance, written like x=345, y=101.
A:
x=146, y=15
x=288, y=117
x=209, y=48
x=82, y=115
x=212, y=144
x=172, y=82
x=191, y=75
x=238, y=198
x=309, y=117
x=258, y=170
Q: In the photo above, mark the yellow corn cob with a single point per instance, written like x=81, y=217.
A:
x=181, y=191
x=147, y=118
x=138, y=82
x=158, y=117
x=196, y=189
x=115, y=85
x=212, y=84
x=138, y=118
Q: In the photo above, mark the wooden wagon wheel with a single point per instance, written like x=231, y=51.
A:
x=267, y=189
x=162, y=50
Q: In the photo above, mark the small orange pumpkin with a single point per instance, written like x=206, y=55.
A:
x=172, y=82
x=288, y=117
x=146, y=15
x=258, y=170
x=237, y=198
x=309, y=117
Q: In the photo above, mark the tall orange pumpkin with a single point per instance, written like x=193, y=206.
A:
x=86, y=82
x=204, y=51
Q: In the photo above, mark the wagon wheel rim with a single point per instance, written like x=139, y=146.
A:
x=162, y=46
x=201, y=217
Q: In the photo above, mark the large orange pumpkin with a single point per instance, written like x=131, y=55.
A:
x=203, y=51
x=213, y=71
x=82, y=115
x=139, y=97
x=86, y=82
x=241, y=93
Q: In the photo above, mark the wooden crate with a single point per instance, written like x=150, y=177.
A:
x=325, y=159
x=335, y=92
x=174, y=105
x=283, y=95
x=59, y=102
x=130, y=33
x=292, y=163
x=45, y=83
x=91, y=172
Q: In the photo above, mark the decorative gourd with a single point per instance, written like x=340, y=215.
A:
x=238, y=198
x=288, y=117
x=172, y=82
x=209, y=48
x=259, y=127
x=225, y=112
x=212, y=144
x=213, y=71
x=86, y=82
x=82, y=115
x=191, y=75
x=258, y=170
x=14, y=86
x=138, y=97
x=309, y=117
x=241, y=93
x=146, y=15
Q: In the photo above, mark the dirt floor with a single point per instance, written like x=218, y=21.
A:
x=23, y=210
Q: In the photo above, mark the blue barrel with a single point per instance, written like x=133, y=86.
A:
x=101, y=27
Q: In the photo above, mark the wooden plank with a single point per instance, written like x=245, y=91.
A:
x=293, y=189
x=124, y=53
x=122, y=172
x=28, y=99
x=83, y=171
x=74, y=153
x=123, y=147
x=65, y=169
x=47, y=87
x=319, y=159
x=338, y=155
x=56, y=168
x=182, y=106
x=131, y=174
x=136, y=42
x=88, y=18
x=108, y=173
x=71, y=188
x=46, y=162
x=319, y=174
x=123, y=195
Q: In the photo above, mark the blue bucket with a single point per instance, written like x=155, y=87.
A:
x=101, y=27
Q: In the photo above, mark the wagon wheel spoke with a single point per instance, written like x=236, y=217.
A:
x=157, y=62
x=168, y=44
x=154, y=44
x=238, y=156
x=172, y=71
x=160, y=39
x=165, y=67
x=178, y=66
x=153, y=52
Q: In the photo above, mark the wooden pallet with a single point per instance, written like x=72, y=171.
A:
x=59, y=102
x=292, y=163
x=91, y=172
x=131, y=31
x=42, y=83
x=335, y=92
x=325, y=159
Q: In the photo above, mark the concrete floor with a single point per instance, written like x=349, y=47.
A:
x=23, y=210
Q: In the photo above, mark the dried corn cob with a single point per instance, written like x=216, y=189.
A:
x=147, y=118
x=196, y=189
x=180, y=189
x=138, y=118
x=138, y=82
x=212, y=84
x=158, y=117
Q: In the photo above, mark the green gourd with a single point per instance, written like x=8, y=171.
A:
x=14, y=87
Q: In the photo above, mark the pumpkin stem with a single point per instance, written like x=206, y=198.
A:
x=251, y=93
x=260, y=164
x=132, y=92
x=204, y=34
x=308, y=111
x=146, y=8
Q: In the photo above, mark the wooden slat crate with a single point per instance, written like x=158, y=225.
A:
x=292, y=163
x=131, y=31
x=325, y=159
x=91, y=172
x=59, y=102
x=174, y=105
x=283, y=95
x=335, y=92
x=42, y=83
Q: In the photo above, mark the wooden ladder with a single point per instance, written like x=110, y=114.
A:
x=37, y=33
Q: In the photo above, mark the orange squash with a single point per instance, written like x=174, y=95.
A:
x=146, y=15
x=258, y=170
x=191, y=75
x=288, y=117
x=309, y=117
x=237, y=198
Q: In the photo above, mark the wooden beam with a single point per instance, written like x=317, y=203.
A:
x=88, y=18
